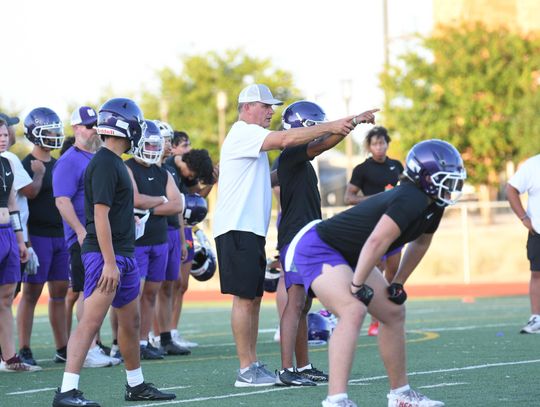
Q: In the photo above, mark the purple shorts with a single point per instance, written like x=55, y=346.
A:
x=53, y=257
x=391, y=253
x=152, y=261
x=310, y=254
x=10, y=262
x=175, y=253
x=290, y=278
x=129, y=285
x=188, y=233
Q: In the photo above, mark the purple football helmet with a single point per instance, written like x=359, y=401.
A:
x=437, y=168
x=204, y=264
x=302, y=114
x=319, y=329
x=121, y=117
x=195, y=209
x=150, y=145
x=43, y=127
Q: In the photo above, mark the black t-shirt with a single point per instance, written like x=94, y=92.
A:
x=172, y=220
x=6, y=181
x=184, y=183
x=299, y=195
x=406, y=204
x=151, y=181
x=44, y=218
x=373, y=177
x=107, y=182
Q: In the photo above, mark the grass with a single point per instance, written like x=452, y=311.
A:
x=463, y=353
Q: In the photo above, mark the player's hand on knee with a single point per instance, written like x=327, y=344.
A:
x=396, y=293
x=362, y=292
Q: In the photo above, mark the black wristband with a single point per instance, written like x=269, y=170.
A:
x=151, y=210
x=364, y=294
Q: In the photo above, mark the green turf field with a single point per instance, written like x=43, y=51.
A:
x=466, y=354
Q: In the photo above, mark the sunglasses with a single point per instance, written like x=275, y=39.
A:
x=90, y=126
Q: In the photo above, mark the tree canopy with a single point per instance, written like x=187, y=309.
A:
x=474, y=87
x=187, y=98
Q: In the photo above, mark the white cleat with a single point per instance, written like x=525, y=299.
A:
x=411, y=398
x=533, y=326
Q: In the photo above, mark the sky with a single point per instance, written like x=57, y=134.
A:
x=60, y=52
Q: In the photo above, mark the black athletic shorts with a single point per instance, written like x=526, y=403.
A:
x=76, y=268
x=242, y=263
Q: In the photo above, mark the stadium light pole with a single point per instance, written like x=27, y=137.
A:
x=221, y=104
x=346, y=91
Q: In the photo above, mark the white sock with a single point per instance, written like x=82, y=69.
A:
x=244, y=370
x=143, y=343
x=134, y=377
x=306, y=367
x=70, y=381
x=337, y=397
x=401, y=389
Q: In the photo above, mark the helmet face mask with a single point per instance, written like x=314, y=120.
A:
x=302, y=114
x=150, y=146
x=43, y=127
x=437, y=168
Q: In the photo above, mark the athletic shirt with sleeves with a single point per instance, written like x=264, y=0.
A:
x=184, y=184
x=373, y=177
x=405, y=204
x=68, y=181
x=299, y=195
x=44, y=218
x=6, y=182
x=526, y=179
x=107, y=182
x=151, y=181
x=244, y=198
x=172, y=220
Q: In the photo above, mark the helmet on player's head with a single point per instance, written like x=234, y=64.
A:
x=204, y=264
x=319, y=329
x=437, y=168
x=150, y=145
x=302, y=114
x=271, y=276
x=43, y=127
x=195, y=208
x=165, y=128
x=121, y=117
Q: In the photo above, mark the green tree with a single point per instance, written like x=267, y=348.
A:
x=187, y=99
x=474, y=87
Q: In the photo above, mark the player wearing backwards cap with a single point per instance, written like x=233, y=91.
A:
x=12, y=252
x=68, y=189
x=337, y=258
x=300, y=204
x=243, y=213
x=111, y=274
x=44, y=129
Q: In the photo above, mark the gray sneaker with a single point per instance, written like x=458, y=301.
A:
x=261, y=366
x=254, y=377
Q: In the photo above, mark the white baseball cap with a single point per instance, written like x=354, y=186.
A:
x=258, y=93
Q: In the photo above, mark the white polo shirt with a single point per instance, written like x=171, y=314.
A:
x=527, y=179
x=244, y=200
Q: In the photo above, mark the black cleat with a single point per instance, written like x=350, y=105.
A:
x=314, y=374
x=150, y=353
x=146, y=391
x=26, y=356
x=72, y=398
x=60, y=356
x=172, y=348
x=288, y=378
